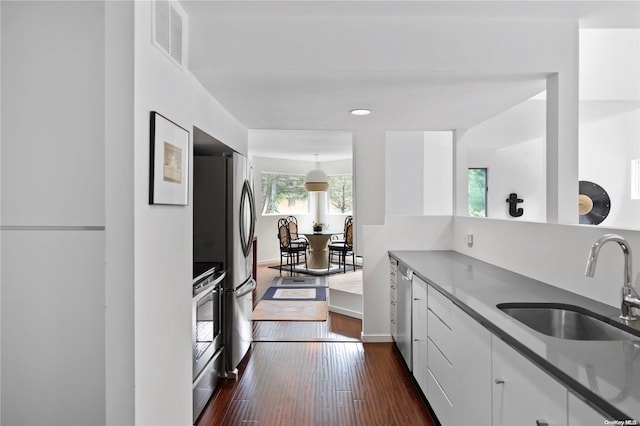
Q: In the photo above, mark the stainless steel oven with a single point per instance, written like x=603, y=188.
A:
x=208, y=362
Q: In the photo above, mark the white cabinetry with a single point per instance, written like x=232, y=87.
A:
x=522, y=393
x=580, y=414
x=459, y=364
x=419, y=332
x=393, y=287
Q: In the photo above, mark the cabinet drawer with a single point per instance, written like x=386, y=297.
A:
x=522, y=393
x=439, y=333
x=441, y=306
x=441, y=369
x=439, y=401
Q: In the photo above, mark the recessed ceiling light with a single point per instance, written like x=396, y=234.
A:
x=360, y=111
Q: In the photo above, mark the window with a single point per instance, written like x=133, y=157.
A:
x=340, y=194
x=478, y=192
x=283, y=194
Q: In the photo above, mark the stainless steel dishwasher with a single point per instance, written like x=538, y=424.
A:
x=403, y=305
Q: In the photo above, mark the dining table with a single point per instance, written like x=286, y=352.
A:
x=318, y=248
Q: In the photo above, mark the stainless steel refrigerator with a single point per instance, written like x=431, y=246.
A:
x=238, y=292
x=224, y=224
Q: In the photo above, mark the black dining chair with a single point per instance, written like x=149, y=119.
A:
x=290, y=250
x=343, y=247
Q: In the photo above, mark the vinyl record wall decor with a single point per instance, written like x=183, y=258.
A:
x=168, y=162
x=593, y=203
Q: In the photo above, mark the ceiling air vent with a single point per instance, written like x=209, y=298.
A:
x=168, y=29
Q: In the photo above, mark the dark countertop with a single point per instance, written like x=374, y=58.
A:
x=605, y=374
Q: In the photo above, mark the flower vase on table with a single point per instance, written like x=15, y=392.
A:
x=317, y=227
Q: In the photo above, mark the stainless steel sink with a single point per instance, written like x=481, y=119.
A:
x=568, y=322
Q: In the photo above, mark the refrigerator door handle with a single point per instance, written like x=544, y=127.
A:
x=247, y=197
x=250, y=286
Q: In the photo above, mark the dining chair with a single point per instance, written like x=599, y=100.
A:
x=343, y=248
x=292, y=222
x=339, y=238
x=290, y=250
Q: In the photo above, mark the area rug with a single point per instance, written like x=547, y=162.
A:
x=299, y=282
x=290, y=310
x=300, y=269
x=296, y=293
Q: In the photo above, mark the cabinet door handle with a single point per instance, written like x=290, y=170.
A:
x=499, y=381
x=541, y=423
x=416, y=298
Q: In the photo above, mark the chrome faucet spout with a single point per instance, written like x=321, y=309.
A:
x=629, y=296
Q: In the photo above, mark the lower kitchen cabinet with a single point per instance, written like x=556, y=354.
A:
x=393, y=297
x=580, y=414
x=522, y=393
x=459, y=363
x=419, y=332
x=469, y=375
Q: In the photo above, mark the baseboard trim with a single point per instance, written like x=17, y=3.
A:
x=346, y=312
x=376, y=338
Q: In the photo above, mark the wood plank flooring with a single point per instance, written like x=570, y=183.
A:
x=319, y=383
x=317, y=373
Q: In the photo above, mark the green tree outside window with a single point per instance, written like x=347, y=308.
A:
x=477, y=192
x=283, y=194
x=340, y=194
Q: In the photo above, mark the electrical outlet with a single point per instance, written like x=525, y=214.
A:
x=469, y=240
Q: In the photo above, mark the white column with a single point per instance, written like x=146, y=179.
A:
x=562, y=149
x=460, y=175
x=369, y=179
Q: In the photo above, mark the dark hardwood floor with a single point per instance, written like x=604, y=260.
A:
x=316, y=373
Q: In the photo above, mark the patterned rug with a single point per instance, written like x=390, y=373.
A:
x=290, y=310
x=299, y=281
x=293, y=299
x=296, y=293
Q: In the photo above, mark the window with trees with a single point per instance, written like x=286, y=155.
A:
x=283, y=194
x=477, y=192
x=340, y=194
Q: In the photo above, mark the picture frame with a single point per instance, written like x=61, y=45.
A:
x=168, y=163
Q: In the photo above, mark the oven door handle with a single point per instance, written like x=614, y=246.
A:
x=206, y=292
x=203, y=291
x=251, y=285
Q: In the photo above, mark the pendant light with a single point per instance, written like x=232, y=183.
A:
x=316, y=180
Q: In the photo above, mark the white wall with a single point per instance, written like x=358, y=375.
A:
x=438, y=173
x=519, y=168
x=369, y=181
x=163, y=242
x=267, y=226
x=607, y=147
x=610, y=117
x=419, y=173
x=119, y=213
x=555, y=254
x=53, y=213
x=404, y=171
x=397, y=233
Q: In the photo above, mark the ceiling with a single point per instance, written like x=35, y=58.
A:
x=282, y=66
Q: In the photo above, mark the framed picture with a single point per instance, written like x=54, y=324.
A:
x=169, y=165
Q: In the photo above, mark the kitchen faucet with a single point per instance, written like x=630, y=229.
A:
x=630, y=298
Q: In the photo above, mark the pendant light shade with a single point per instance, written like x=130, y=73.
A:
x=316, y=180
